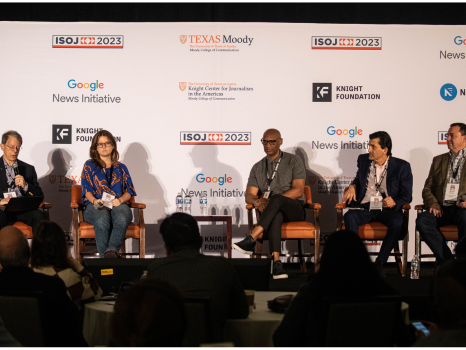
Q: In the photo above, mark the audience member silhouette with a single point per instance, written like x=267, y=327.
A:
x=149, y=314
x=197, y=275
x=345, y=270
x=460, y=249
x=50, y=256
x=59, y=315
x=450, y=307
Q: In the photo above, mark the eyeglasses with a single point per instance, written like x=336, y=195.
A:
x=14, y=148
x=271, y=142
x=106, y=144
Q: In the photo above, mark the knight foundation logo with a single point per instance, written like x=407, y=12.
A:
x=87, y=41
x=183, y=85
x=61, y=134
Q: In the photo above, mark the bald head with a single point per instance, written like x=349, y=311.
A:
x=14, y=248
x=272, y=134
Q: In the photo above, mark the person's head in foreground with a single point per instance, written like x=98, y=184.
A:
x=180, y=231
x=151, y=313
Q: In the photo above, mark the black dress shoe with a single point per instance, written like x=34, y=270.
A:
x=379, y=268
x=111, y=254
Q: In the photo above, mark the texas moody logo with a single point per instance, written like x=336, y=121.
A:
x=215, y=39
x=87, y=41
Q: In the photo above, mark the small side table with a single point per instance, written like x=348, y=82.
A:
x=221, y=218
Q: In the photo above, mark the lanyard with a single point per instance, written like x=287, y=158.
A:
x=455, y=173
x=274, y=172
x=111, y=174
x=378, y=184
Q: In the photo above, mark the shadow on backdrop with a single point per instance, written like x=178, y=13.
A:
x=222, y=199
x=57, y=186
x=150, y=192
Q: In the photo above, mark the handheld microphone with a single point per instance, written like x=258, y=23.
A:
x=382, y=193
x=463, y=198
x=16, y=170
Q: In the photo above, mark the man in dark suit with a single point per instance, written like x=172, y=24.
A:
x=383, y=184
x=23, y=184
x=59, y=316
x=442, y=194
x=198, y=275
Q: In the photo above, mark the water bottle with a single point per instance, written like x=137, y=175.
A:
x=203, y=204
x=187, y=204
x=144, y=276
x=415, y=268
x=179, y=203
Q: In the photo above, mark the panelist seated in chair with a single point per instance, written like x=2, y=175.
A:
x=383, y=184
x=444, y=194
x=106, y=187
x=17, y=179
x=280, y=177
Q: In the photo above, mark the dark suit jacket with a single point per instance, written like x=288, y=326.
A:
x=59, y=316
x=434, y=188
x=399, y=180
x=197, y=275
x=30, y=176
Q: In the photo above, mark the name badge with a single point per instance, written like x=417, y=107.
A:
x=9, y=195
x=107, y=198
x=451, y=194
x=266, y=194
x=376, y=203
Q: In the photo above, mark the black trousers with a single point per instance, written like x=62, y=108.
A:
x=428, y=225
x=280, y=209
x=30, y=218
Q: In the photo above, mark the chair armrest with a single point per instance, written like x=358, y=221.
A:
x=74, y=205
x=419, y=207
x=249, y=206
x=406, y=206
x=138, y=205
x=340, y=206
x=45, y=205
x=313, y=206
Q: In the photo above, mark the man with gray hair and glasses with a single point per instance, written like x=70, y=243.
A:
x=17, y=179
x=280, y=176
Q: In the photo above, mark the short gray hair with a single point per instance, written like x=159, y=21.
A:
x=18, y=257
x=11, y=133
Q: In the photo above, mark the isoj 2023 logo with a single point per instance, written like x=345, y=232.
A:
x=346, y=43
x=87, y=41
x=214, y=138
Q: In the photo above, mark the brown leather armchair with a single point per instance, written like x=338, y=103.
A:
x=26, y=229
x=450, y=232
x=83, y=230
x=297, y=230
x=376, y=231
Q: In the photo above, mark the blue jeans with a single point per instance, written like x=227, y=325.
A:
x=393, y=219
x=109, y=225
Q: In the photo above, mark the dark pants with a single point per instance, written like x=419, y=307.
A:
x=280, y=209
x=428, y=226
x=393, y=219
x=31, y=218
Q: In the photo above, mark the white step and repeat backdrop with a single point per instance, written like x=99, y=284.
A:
x=188, y=103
